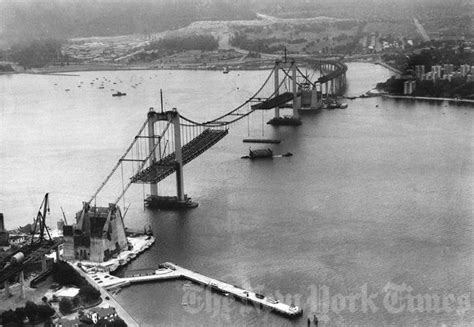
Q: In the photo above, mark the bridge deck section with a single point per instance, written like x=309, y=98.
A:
x=274, y=102
x=191, y=150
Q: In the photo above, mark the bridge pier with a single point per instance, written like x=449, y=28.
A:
x=315, y=101
x=22, y=284
x=6, y=286
x=296, y=104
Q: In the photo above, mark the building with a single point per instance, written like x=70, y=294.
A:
x=409, y=87
x=465, y=69
x=420, y=71
x=98, y=234
x=97, y=314
x=436, y=72
x=448, y=69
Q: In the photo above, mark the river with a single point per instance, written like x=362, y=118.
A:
x=369, y=223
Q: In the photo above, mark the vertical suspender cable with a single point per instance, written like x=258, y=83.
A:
x=123, y=186
x=248, y=124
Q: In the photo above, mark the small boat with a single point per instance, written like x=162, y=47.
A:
x=226, y=70
x=333, y=104
x=259, y=296
x=343, y=106
x=148, y=231
x=288, y=154
x=118, y=94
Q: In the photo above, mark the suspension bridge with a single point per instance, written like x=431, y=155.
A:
x=167, y=140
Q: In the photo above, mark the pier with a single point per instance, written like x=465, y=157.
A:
x=168, y=270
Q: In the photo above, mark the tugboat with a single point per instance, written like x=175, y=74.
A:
x=118, y=94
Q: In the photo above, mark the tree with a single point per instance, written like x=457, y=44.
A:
x=89, y=293
x=45, y=311
x=64, y=274
x=65, y=306
x=31, y=310
x=76, y=301
x=10, y=317
x=118, y=323
x=20, y=313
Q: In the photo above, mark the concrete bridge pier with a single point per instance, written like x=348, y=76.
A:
x=295, y=93
x=22, y=284
x=44, y=265
x=58, y=255
x=315, y=103
x=6, y=286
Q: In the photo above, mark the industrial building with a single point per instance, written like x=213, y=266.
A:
x=99, y=233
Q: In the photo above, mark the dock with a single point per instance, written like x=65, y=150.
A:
x=239, y=293
x=168, y=270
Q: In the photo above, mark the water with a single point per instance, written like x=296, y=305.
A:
x=376, y=201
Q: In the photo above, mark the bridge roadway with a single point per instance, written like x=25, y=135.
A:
x=166, y=166
x=170, y=270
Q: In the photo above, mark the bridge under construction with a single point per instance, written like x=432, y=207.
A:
x=167, y=140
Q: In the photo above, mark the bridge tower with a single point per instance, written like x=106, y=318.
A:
x=285, y=97
x=154, y=145
x=277, y=85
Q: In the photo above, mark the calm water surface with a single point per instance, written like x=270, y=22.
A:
x=373, y=210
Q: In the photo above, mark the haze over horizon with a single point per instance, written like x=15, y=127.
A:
x=28, y=19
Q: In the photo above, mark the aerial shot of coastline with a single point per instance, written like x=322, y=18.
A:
x=236, y=163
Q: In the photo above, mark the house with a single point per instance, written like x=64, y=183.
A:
x=97, y=314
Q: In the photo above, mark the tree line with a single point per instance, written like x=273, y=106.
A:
x=37, y=53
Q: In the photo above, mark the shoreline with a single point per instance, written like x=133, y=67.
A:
x=59, y=70
x=409, y=97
